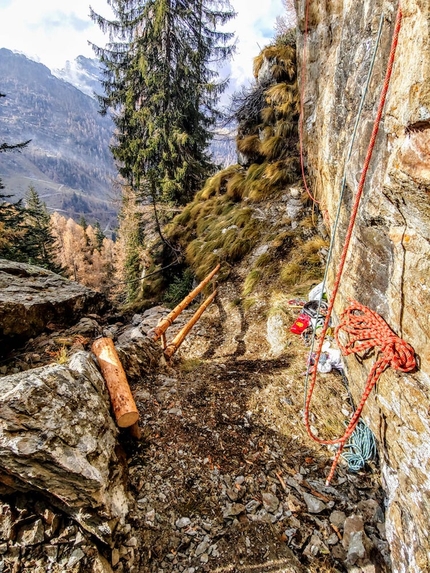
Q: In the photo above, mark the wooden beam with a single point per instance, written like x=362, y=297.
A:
x=180, y=337
x=166, y=322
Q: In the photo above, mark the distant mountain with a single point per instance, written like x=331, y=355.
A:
x=83, y=73
x=223, y=147
x=68, y=160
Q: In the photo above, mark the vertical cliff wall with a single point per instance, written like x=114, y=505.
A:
x=388, y=267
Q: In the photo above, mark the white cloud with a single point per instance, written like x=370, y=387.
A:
x=53, y=32
x=254, y=27
x=49, y=30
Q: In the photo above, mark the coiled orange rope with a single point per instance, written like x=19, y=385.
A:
x=366, y=330
x=365, y=327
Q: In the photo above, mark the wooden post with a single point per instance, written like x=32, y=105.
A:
x=180, y=337
x=166, y=322
x=122, y=400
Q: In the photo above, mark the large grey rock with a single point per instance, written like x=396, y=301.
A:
x=32, y=297
x=138, y=353
x=57, y=437
x=388, y=267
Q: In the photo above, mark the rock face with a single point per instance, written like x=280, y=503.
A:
x=32, y=297
x=388, y=266
x=57, y=437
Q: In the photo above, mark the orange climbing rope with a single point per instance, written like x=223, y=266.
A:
x=365, y=327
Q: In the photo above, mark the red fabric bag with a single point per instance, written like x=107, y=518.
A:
x=301, y=324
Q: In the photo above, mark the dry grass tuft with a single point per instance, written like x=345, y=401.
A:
x=274, y=147
x=264, y=260
x=251, y=281
x=249, y=145
x=291, y=273
x=248, y=303
x=236, y=186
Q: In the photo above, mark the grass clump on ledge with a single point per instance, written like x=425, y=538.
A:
x=222, y=224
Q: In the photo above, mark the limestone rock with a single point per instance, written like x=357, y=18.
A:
x=138, y=353
x=32, y=297
x=6, y=522
x=101, y=565
x=277, y=333
x=57, y=437
x=388, y=266
x=270, y=502
x=354, y=539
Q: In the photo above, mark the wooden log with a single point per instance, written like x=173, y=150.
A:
x=180, y=337
x=123, y=404
x=168, y=320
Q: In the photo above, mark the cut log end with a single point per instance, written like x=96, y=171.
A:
x=128, y=419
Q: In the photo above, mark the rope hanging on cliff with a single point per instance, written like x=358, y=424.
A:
x=367, y=330
x=365, y=327
x=343, y=184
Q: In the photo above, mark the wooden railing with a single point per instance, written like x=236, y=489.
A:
x=160, y=330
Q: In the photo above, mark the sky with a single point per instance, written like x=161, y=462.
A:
x=54, y=31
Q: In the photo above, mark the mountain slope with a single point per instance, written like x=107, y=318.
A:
x=83, y=73
x=68, y=160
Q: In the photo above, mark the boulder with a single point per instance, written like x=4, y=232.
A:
x=58, y=438
x=137, y=352
x=32, y=297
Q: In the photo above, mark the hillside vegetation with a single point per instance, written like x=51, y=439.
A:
x=254, y=209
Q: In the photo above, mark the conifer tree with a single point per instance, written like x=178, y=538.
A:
x=12, y=229
x=99, y=236
x=39, y=239
x=160, y=80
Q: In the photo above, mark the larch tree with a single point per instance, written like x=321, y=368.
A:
x=84, y=255
x=288, y=20
x=161, y=82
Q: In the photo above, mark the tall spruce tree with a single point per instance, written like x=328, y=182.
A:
x=39, y=238
x=161, y=81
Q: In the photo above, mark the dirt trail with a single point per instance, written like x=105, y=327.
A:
x=225, y=479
